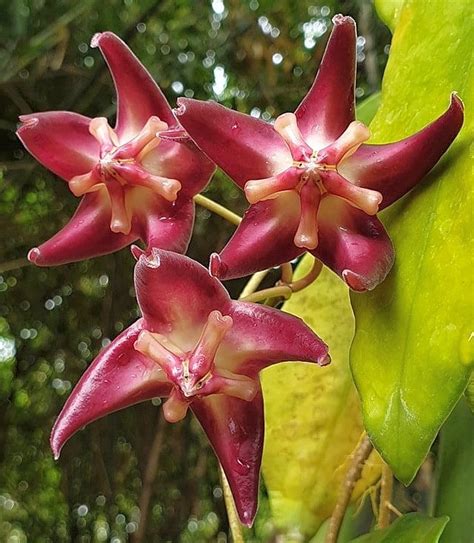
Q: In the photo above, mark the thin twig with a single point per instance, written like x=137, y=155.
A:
x=393, y=509
x=234, y=522
x=359, y=456
x=149, y=478
x=218, y=209
x=386, y=489
x=14, y=264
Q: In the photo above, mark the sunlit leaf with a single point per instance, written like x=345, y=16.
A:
x=389, y=11
x=413, y=349
x=313, y=415
x=411, y=528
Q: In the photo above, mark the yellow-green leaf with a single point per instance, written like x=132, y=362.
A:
x=411, y=528
x=389, y=11
x=413, y=350
x=470, y=392
x=313, y=418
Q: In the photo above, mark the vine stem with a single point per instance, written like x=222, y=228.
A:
x=218, y=209
x=386, y=488
x=359, y=457
x=309, y=278
x=283, y=291
x=234, y=522
x=283, y=288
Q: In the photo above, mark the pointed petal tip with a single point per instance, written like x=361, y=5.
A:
x=216, y=267
x=182, y=104
x=34, y=256
x=325, y=360
x=247, y=518
x=100, y=36
x=137, y=252
x=150, y=258
x=55, y=444
x=340, y=19
x=456, y=102
x=359, y=283
x=27, y=121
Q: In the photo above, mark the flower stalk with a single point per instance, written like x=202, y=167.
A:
x=218, y=209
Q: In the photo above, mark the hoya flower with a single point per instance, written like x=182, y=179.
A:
x=134, y=182
x=202, y=351
x=312, y=181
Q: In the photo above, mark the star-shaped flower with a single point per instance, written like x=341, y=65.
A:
x=136, y=180
x=312, y=182
x=201, y=350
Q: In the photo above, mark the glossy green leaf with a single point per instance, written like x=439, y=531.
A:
x=313, y=417
x=455, y=488
x=389, y=11
x=411, y=528
x=413, y=351
x=367, y=109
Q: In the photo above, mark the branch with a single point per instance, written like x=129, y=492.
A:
x=149, y=478
x=386, y=488
x=359, y=456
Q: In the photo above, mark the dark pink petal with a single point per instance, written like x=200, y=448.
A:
x=175, y=293
x=182, y=161
x=244, y=147
x=235, y=429
x=167, y=226
x=119, y=377
x=138, y=96
x=261, y=336
x=86, y=235
x=353, y=244
x=329, y=106
x=60, y=141
x=395, y=168
x=264, y=238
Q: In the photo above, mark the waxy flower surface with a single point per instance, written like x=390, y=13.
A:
x=136, y=180
x=312, y=181
x=202, y=351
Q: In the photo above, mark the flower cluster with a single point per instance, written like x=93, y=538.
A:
x=313, y=184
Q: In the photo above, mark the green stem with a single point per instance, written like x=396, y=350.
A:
x=253, y=283
x=218, y=209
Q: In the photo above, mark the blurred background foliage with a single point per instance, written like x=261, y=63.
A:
x=257, y=56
